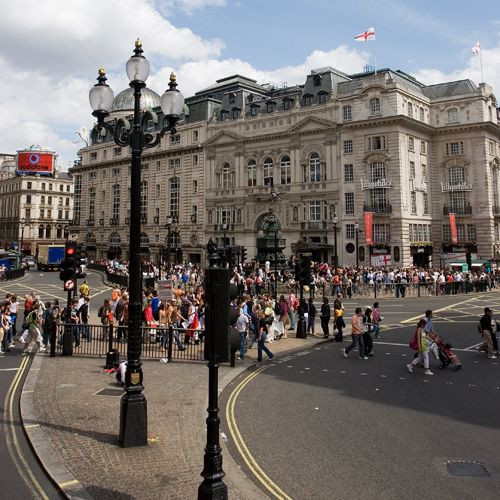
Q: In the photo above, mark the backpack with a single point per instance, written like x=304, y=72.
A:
x=277, y=309
x=414, y=342
x=100, y=312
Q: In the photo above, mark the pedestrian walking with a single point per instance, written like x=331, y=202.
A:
x=325, y=317
x=367, y=331
x=242, y=327
x=488, y=329
x=423, y=349
x=357, y=335
x=311, y=316
x=261, y=344
x=376, y=319
x=338, y=311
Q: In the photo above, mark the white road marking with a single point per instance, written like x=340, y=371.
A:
x=472, y=346
x=9, y=369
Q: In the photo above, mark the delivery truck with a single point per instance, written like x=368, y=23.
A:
x=49, y=257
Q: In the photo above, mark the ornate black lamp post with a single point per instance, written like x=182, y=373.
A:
x=133, y=409
x=356, y=227
x=168, y=225
x=336, y=255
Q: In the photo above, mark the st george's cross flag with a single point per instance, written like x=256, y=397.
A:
x=369, y=34
x=476, y=49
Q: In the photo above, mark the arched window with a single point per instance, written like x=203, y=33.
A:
x=226, y=177
x=375, y=106
x=347, y=112
x=90, y=238
x=307, y=100
x=314, y=168
x=59, y=232
x=268, y=172
x=174, y=197
x=115, y=212
x=295, y=214
x=252, y=173
x=114, y=240
x=421, y=114
x=41, y=232
x=322, y=97
x=453, y=115
x=144, y=202
x=210, y=216
x=410, y=109
x=48, y=232
x=285, y=170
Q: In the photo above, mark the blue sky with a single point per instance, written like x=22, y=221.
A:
x=51, y=57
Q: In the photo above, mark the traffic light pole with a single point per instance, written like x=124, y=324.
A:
x=68, y=333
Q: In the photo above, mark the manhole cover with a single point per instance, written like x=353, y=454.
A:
x=465, y=468
x=109, y=392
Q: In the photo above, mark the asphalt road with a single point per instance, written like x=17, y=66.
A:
x=317, y=425
x=21, y=475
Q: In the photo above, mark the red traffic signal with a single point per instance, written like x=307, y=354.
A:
x=69, y=265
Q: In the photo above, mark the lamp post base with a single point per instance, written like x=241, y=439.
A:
x=209, y=490
x=133, y=420
x=301, y=328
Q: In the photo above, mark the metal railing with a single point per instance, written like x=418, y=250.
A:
x=13, y=274
x=169, y=342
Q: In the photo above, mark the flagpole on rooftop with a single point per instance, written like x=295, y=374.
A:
x=481, y=62
x=374, y=56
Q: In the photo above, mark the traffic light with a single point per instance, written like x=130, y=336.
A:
x=69, y=266
x=81, y=254
x=303, y=270
x=243, y=254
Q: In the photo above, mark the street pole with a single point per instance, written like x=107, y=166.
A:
x=216, y=349
x=133, y=406
x=336, y=258
x=276, y=266
x=356, y=225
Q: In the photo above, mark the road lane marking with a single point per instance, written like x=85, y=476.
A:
x=446, y=308
x=406, y=345
x=11, y=436
x=9, y=369
x=67, y=484
x=242, y=448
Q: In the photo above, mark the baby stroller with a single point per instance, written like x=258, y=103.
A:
x=446, y=355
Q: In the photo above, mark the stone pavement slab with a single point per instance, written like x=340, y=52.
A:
x=77, y=430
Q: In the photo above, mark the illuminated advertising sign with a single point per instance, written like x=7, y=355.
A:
x=35, y=162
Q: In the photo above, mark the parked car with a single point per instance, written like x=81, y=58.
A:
x=29, y=263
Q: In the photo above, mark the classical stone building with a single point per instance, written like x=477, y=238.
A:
x=333, y=157
x=34, y=208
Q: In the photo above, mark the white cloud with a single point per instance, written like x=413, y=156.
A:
x=472, y=70
x=188, y=6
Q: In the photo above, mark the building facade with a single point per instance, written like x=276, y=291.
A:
x=363, y=168
x=34, y=208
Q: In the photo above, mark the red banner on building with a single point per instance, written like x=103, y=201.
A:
x=369, y=228
x=453, y=227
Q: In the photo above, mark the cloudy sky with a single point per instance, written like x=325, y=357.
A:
x=50, y=50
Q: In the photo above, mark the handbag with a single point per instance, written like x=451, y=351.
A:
x=414, y=343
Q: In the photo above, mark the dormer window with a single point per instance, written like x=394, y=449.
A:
x=322, y=96
x=236, y=113
x=287, y=103
x=453, y=115
x=254, y=110
x=317, y=80
x=224, y=115
x=307, y=100
x=250, y=98
x=232, y=97
x=270, y=107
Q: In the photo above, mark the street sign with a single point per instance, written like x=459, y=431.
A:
x=465, y=268
x=69, y=285
x=165, y=290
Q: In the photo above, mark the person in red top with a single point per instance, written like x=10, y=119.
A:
x=357, y=335
x=28, y=303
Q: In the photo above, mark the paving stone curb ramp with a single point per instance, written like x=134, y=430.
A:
x=50, y=460
x=72, y=488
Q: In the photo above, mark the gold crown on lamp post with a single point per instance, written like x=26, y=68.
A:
x=138, y=44
x=173, y=76
x=101, y=71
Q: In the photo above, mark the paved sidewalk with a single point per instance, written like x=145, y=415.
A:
x=77, y=434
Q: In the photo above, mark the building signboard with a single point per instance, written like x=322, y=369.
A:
x=447, y=187
x=380, y=260
x=378, y=184
x=35, y=162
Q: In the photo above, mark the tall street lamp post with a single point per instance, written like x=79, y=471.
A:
x=168, y=225
x=336, y=255
x=133, y=408
x=356, y=227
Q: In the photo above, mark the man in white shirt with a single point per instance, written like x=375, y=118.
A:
x=242, y=326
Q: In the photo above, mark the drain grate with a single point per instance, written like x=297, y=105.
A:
x=466, y=468
x=109, y=392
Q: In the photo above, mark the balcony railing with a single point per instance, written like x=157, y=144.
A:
x=378, y=208
x=114, y=221
x=314, y=225
x=90, y=222
x=467, y=210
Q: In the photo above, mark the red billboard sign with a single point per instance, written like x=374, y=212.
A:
x=35, y=162
x=369, y=228
x=453, y=229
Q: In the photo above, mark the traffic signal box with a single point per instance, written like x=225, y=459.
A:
x=69, y=266
x=303, y=270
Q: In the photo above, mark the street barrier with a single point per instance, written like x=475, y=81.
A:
x=14, y=274
x=157, y=343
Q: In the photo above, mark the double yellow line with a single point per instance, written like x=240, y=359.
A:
x=11, y=437
x=242, y=448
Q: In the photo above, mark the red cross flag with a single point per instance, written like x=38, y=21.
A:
x=369, y=34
